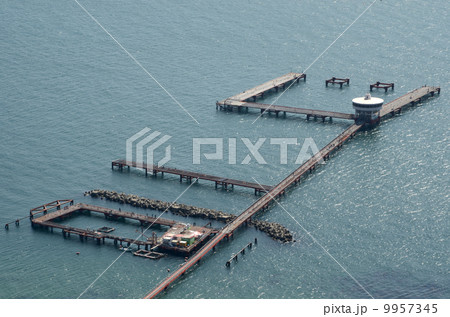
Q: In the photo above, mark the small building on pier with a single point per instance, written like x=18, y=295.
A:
x=367, y=109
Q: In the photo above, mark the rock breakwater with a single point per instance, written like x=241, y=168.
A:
x=274, y=230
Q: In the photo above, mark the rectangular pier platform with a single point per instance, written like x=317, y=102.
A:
x=258, y=91
x=224, y=182
x=229, y=105
x=50, y=218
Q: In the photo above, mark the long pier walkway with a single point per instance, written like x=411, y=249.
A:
x=292, y=179
x=260, y=90
x=240, y=101
x=260, y=204
x=322, y=114
x=410, y=98
x=224, y=182
x=108, y=212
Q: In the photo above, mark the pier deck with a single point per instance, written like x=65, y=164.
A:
x=108, y=212
x=48, y=221
x=57, y=204
x=96, y=235
x=258, y=91
x=322, y=114
x=224, y=182
x=412, y=97
x=260, y=204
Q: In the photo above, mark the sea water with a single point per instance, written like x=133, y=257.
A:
x=71, y=96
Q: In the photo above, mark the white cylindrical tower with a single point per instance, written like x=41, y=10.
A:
x=367, y=108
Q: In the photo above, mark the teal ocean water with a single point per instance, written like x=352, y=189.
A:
x=70, y=97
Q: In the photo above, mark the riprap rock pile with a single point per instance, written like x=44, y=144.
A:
x=274, y=230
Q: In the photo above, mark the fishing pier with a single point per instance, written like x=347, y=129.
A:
x=49, y=215
x=261, y=204
x=259, y=91
x=229, y=105
x=241, y=103
x=368, y=112
x=189, y=176
x=292, y=179
x=410, y=99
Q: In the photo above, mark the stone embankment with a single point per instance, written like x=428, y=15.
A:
x=272, y=229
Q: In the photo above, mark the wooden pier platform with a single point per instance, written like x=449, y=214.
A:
x=50, y=218
x=384, y=86
x=260, y=90
x=223, y=182
x=240, y=101
x=44, y=209
x=229, y=105
x=338, y=81
x=408, y=99
x=84, y=234
x=108, y=212
x=260, y=204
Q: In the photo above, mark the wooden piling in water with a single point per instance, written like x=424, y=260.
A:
x=384, y=86
x=338, y=81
